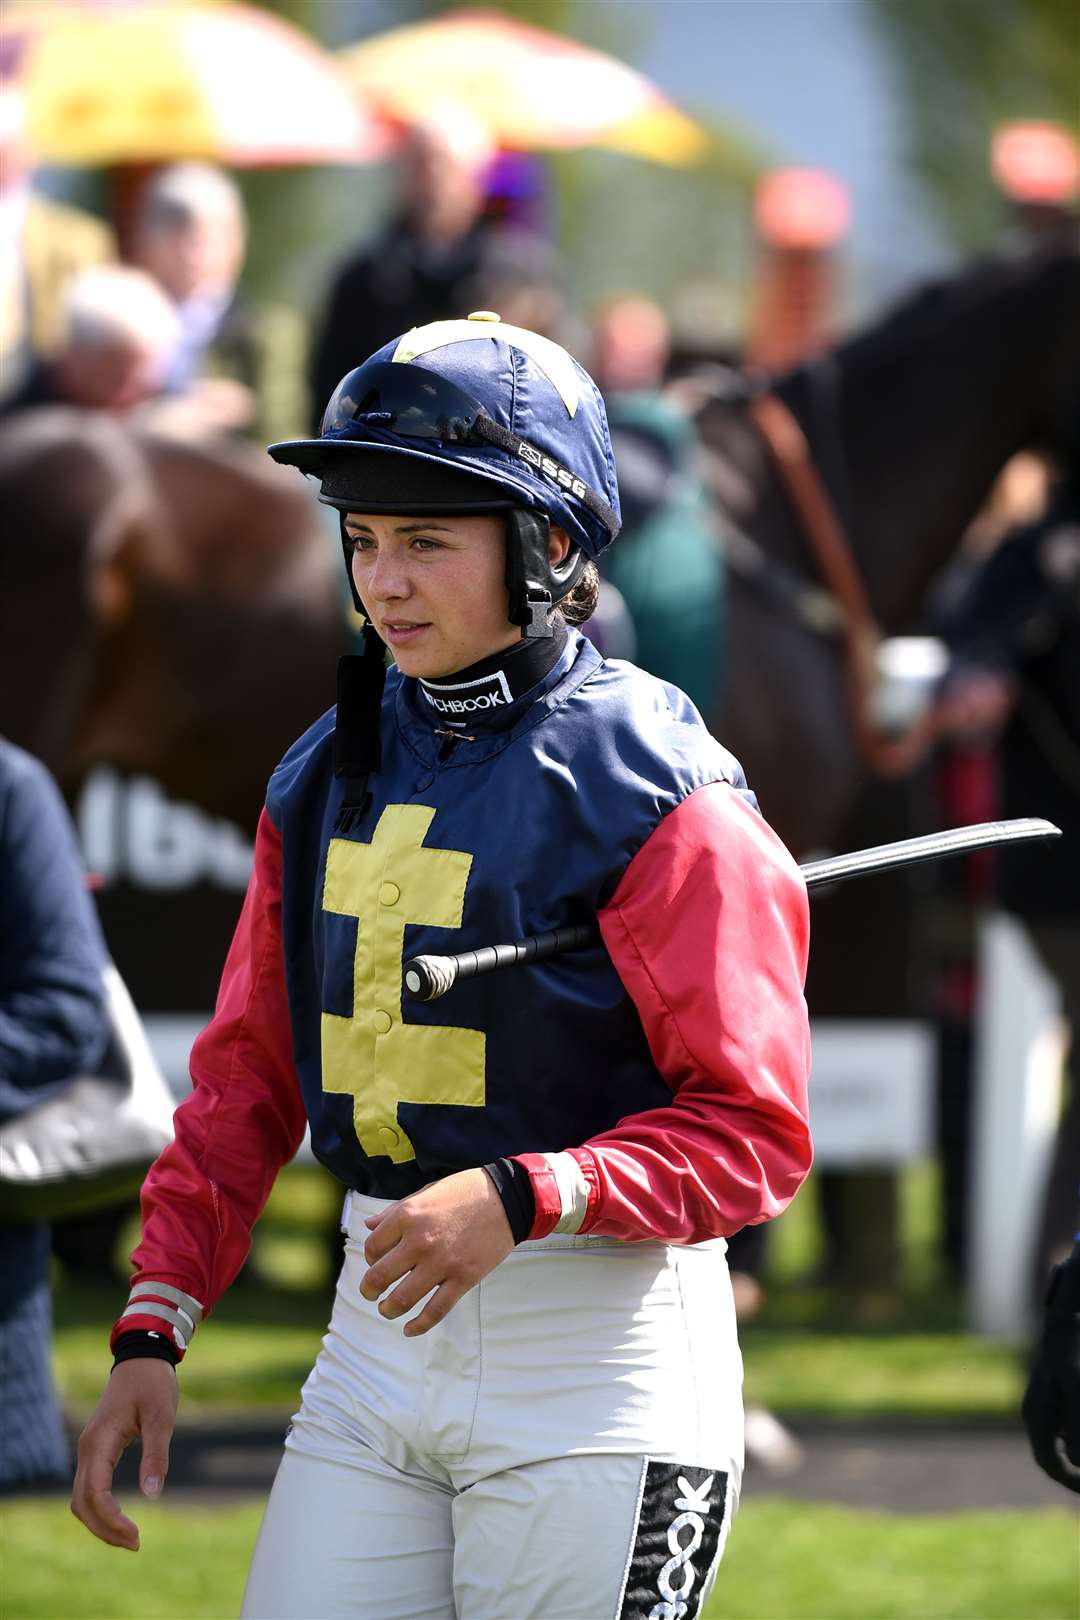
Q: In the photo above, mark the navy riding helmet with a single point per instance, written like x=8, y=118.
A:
x=475, y=416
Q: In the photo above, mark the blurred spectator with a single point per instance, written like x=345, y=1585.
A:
x=239, y=367
x=117, y=332
x=189, y=233
x=964, y=787
x=800, y=216
x=439, y=257
x=42, y=244
x=1015, y=640
x=669, y=570
x=52, y=1028
x=631, y=345
x=1036, y=165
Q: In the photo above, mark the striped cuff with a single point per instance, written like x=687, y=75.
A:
x=561, y=1188
x=573, y=1191
x=162, y=1301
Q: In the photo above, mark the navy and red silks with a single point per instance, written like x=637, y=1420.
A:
x=672, y=1065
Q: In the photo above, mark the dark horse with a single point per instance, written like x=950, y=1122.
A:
x=908, y=423
x=174, y=610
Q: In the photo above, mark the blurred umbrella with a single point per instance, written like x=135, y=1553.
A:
x=141, y=83
x=533, y=89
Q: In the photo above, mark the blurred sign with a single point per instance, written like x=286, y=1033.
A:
x=169, y=880
x=870, y=1092
x=131, y=832
x=1020, y=1058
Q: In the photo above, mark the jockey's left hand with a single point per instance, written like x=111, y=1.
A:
x=444, y=1238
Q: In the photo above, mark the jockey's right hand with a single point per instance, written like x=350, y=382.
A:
x=140, y=1399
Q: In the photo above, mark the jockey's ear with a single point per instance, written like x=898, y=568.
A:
x=559, y=545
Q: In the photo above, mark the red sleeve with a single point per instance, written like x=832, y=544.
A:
x=244, y=1119
x=709, y=931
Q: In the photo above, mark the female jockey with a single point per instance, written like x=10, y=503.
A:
x=528, y=1399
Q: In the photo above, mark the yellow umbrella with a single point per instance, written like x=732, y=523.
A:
x=531, y=88
x=108, y=84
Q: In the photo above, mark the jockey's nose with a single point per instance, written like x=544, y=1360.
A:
x=387, y=575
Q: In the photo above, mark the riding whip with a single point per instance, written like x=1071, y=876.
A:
x=429, y=977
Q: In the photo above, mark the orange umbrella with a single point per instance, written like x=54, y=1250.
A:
x=531, y=88
x=142, y=83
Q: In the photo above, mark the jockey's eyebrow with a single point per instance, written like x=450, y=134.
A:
x=400, y=528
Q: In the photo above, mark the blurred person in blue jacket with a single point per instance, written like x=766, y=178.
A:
x=52, y=1027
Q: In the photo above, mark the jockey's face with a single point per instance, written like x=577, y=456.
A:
x=435, y=588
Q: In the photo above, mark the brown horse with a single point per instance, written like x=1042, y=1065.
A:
x=908, y=422
x=168, y=609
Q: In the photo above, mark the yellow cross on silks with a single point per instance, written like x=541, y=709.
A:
x=373, y=1055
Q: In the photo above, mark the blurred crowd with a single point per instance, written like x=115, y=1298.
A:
x=147, y=322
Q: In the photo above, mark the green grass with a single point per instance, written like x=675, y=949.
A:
x=798, y=1561
x=811, y=1352
x=883, y=1375
x=191, y=1566
x=785, y=1561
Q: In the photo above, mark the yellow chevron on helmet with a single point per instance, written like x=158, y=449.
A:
x=558, y=366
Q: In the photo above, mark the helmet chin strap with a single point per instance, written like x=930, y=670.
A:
x=357, y=751
x=534, y=585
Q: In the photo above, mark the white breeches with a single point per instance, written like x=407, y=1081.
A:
x=566, y=1445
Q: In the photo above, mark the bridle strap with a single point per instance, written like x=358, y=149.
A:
x=832, y=551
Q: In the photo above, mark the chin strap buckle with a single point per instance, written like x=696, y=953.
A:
x=538, y=607
x=528, y=582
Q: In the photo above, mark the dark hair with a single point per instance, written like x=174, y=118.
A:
x=580, y=603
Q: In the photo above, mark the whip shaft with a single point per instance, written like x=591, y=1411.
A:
x=429, y=977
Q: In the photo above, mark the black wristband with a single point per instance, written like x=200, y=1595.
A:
x=141, y=1344
x=511, y=1181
